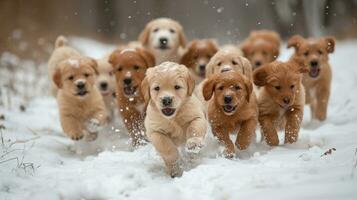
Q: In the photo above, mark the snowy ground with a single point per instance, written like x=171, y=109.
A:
x=38, y=162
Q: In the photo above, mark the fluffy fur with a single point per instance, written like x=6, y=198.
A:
x=314, y=53
x=129, y=67
x=232, y=108
x=163, y=37
x=174, y=116
x=280, y=100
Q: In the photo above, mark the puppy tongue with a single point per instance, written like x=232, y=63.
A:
x=128, y=90
x=314, y=72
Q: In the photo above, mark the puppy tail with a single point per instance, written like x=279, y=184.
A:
x=61, y=41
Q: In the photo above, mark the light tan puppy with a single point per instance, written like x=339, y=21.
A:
x=61, y=52
x=261, y=47
x=105, y=81
x=81, y=106
x=281, y=99
x=163, y=37
x=314, y=53
x=174, y=115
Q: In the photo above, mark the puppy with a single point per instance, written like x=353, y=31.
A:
x=280, y=100
x=174, y=115
x=314, y=53
x=105, y=82
x=61, y=52
x=129, y=67
x=163, y=37
x=197, y=56
x=232, y=106
x=81, y=106
x=261, y=47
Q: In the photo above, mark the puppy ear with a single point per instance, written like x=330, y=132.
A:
x=208, y=88
x=144, y=35
x=245, y=47
x=249, y=88
x=148, y=57
x=260, y=75
x=145, y=90
x=113, y=56
x=295, y=41
x=210, y=68
x=330, y=43
x=247, y=68
x=93, y=64
x=187, y=57
x=190, y=83
x=182, y=38
x=213, y=44
x=57, y=78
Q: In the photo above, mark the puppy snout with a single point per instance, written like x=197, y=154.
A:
x=202, y=67
x=314, y=63
x=226, y=68
x=258, y=63
x=167, y=101
x=103, y=85
x=286, y=100
x=81, y=85
x=127, y=81
x=228, y=99
x=163, y=41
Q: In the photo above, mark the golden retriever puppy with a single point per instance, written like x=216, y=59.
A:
x=197, y=56
x=81, y=106
x=105, y=81
x=314, y=53
x=281, y=99
x=232, y=106
x=61, y=52
x=163, y=37
x=174, y=115
x=129, y=67
x=261, y=47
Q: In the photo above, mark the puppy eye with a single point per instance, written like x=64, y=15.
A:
x=219, y=64
x=111, y=73
x=195, y=57
x=136, y=67
x=155, y=30
x=292, y=86
x=237, y=87
x=71, y=78
x=234, y=62
x=221, y=88
x=320, y=52
x=209, y=56
x=306, y=53
x=172, y=30
x=157, y=88
x=177, y=87
x=264, y=53
x=278, y=87
x=120, y=69
x=86, y=75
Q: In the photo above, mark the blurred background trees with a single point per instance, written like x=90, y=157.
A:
x=29, y=27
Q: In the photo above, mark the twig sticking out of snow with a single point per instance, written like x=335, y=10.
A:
x=328, y=152
x=354, y=166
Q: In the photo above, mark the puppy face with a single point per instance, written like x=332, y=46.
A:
x=281, y=81
x=105, y=80
x=163, y=34
x=231, y=91
x=76, y=76
x=228, y=60
x=261, y=47
x=129, y=67
x=168, y=85
x=314, y=52
x=198, y=55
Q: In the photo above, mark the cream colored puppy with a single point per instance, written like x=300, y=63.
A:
x=61, y=52
x=105, y=82
x=174, y=115
x=163, y=37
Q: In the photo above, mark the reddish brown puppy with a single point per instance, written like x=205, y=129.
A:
x=130, y=66
x=280, y=100
x=314, y=53
x=232, y=106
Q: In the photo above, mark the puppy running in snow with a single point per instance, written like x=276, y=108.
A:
x=163, y=37
x=174, y=115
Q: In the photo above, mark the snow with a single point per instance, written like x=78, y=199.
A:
x=48, y=167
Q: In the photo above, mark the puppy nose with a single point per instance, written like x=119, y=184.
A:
x=286, y=100
x=227, y=99
x=127, y=81
x=258, y=63
x=167, y=101
x=314, y=63
x=202, y=67
x=80, y=85
x=103, y=85
x=163, y=41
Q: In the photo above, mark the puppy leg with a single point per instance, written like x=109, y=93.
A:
x=72, y=127
x=223, y=136
x=195, y=134
x=245, y=133
x=322, y=94
x=293, y=122
x=168, y=151
x=134, y=123
x=268, y=129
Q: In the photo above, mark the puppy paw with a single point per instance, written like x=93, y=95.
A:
x=91, y=137
x=194, y=145
x=176, y=170
x=77, y=137
x=229, y=154
x=93, y=125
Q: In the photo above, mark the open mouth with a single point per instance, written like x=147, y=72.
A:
x=168, y=111
x=163, y=47
x=130, y=90
x=82, y=93
x=314, y=71
x=105, y=92
x=229, y=108
x=202, y=73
